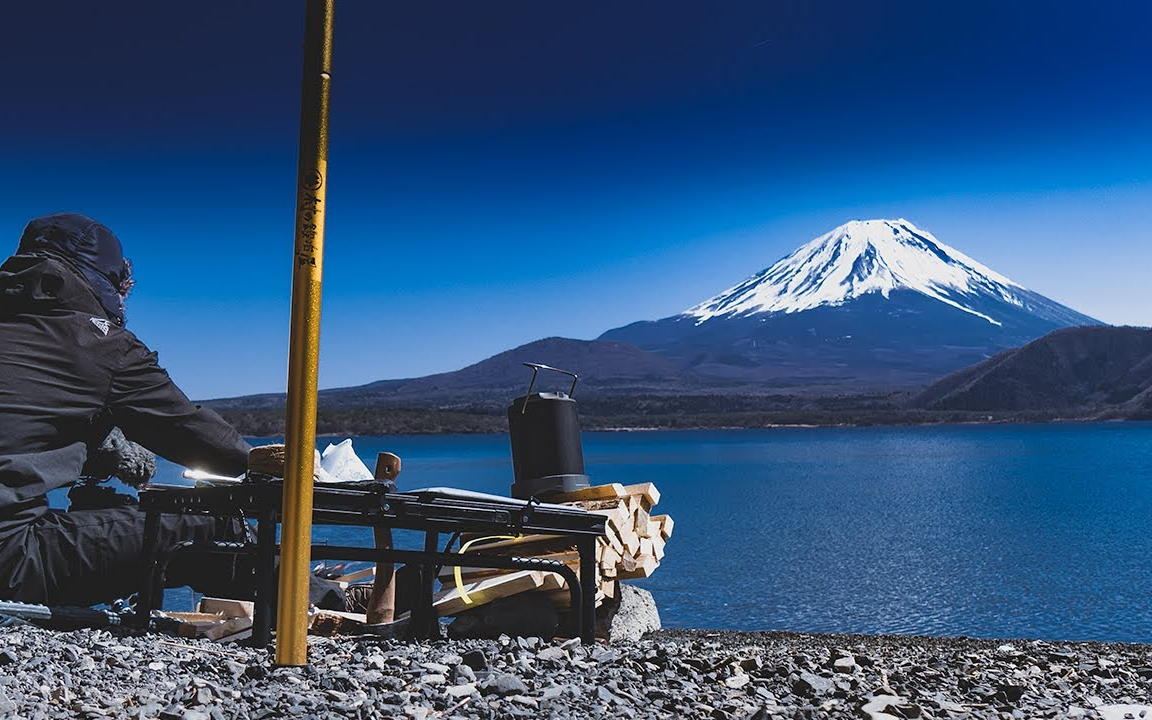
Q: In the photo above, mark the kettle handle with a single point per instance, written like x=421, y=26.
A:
x=537, y=367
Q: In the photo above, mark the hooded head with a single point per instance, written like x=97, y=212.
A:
x=89, y=247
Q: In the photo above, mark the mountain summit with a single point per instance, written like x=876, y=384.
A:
x=873, y=304
x=877, y=256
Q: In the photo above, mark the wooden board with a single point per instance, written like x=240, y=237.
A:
x=634, y=568
x=365, y=574
x=228, y=628
x=571, y=558
x=334, y=622
x=226, y=607
x=517, y=542
x=596, y=492
x=666, y=524
x=449, y=602
x=647, y=491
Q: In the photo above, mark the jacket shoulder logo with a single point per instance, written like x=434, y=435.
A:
x=103, y=324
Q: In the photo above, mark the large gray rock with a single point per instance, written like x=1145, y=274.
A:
x=632, y=614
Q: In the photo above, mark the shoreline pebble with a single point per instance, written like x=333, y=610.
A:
x=671, y=673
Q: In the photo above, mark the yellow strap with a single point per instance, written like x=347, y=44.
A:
x=463, y=548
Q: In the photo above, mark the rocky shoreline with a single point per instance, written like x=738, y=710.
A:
x=670, y=673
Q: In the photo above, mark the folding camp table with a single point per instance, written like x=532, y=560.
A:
x=432, y=511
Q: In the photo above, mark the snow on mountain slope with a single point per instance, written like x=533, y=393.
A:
x=862, y=257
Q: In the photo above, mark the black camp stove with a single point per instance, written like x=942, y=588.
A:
x=544, y=429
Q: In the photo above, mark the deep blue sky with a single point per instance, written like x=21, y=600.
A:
x=504, y=171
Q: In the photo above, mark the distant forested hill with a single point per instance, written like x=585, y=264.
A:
x=1087, y=372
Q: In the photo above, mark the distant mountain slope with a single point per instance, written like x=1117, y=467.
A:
x=870, y=305
x=602, y=366
x=1105, y=371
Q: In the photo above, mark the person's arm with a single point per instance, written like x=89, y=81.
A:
x=152, y=411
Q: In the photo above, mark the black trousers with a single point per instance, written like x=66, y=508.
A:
x=86, y=557
x=89, y=557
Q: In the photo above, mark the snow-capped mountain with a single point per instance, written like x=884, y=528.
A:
x=873, y=303
x=875, y=256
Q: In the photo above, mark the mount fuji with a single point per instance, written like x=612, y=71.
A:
x=871, y=305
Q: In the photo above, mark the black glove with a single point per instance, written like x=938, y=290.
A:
x=120, y=457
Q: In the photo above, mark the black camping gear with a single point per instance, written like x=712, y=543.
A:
x=544, y=429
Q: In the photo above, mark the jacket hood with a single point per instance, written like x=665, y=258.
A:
x=90, y=248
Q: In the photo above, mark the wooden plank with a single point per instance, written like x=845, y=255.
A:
x=609, y=588
x=613, y=538
x=571, y=558
x=335, y=622
x=450, y=602
x=227, y=628
x=658, y=547
x=653, y=529
x=552, y=581
x=640, y=522
x=647, y=491
x=197, y=617
x=666, y=524
x=596, y=492
x=607, y=556
x=517, y=542
x=631, y=545
x=634, y=568
x=352, y=577
x=605, y=504
x=616, y=516
x=226, y=607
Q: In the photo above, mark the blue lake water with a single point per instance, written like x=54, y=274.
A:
x=1035, y=531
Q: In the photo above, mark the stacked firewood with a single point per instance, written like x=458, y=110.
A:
x=632, y=547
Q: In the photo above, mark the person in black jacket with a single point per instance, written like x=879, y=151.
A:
x=69, y=373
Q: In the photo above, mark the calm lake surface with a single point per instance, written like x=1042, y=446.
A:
x=1010, y=531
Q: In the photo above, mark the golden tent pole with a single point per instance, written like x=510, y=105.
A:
x=304, y=345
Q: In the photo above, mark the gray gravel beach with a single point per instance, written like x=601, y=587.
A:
x=670, y=673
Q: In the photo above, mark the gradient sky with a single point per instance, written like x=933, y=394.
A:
x=504, y=171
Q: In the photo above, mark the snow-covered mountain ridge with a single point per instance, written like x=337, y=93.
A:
x=876, y=304
x=863, y=257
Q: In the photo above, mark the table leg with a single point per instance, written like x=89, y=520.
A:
x=265, y=579
x=382, y=605
x=146, y=598
x=588, y=583
x=423, y=624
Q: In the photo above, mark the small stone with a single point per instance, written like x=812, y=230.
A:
x=502, y=684
x=463, y=674
x=475, y=659
x=809, y=685
x=376, y=662
x=524, y=700
x=459, y=691
x=552, y=652
x=606, y=695
x=737, y=681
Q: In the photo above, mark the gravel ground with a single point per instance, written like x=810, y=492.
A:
x=692, y=674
